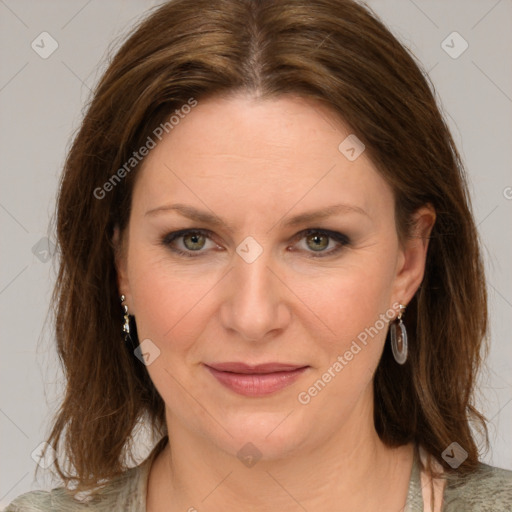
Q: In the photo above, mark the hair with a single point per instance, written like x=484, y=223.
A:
x=336, y=52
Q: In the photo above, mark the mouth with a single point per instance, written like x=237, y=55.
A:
x=256, y=380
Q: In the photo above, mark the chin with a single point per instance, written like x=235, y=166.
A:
x=262, y=436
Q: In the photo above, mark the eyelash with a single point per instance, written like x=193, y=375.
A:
x=342, y=239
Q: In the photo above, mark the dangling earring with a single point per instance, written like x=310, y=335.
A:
x=126, y=325
x=399, y=338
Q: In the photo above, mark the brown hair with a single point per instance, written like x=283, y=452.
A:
x=334, y=51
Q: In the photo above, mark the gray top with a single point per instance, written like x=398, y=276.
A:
x=489, y=489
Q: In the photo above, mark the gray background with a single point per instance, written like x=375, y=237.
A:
x=41, y=102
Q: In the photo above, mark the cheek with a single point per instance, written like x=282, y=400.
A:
x=170, y=301
x=350, y=299
x=357, y=312
x=356, y=308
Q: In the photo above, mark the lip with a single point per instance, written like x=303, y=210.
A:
x=256, y=368
x=256, y=380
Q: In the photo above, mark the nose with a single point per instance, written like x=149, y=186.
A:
x=255, y=305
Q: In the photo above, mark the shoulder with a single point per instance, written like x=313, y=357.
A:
x=119, y=494
x=487, y=489
x=33, y=501
x=42, y=501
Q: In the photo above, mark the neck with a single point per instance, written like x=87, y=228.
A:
x=193, y=473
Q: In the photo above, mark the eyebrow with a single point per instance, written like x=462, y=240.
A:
x=209, y=218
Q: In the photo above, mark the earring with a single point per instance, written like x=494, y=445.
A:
x=126, y=324
x=399, y=338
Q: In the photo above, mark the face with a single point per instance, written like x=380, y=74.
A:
x=240, y=274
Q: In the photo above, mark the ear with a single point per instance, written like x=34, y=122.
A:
x=413, y=255
x=120, y=262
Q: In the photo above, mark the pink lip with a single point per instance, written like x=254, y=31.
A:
x=257, y=368
x=256, y=380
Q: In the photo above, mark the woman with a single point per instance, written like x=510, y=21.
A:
x=268, y=256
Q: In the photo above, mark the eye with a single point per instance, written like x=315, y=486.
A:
x=194, y=240
x=318, y=240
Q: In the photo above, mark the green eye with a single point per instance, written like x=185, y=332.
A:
x=319, y=241
x=195, y=240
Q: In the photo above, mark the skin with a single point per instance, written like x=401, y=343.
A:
x=256, y=164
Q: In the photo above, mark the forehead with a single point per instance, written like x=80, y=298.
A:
x=264, y=154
